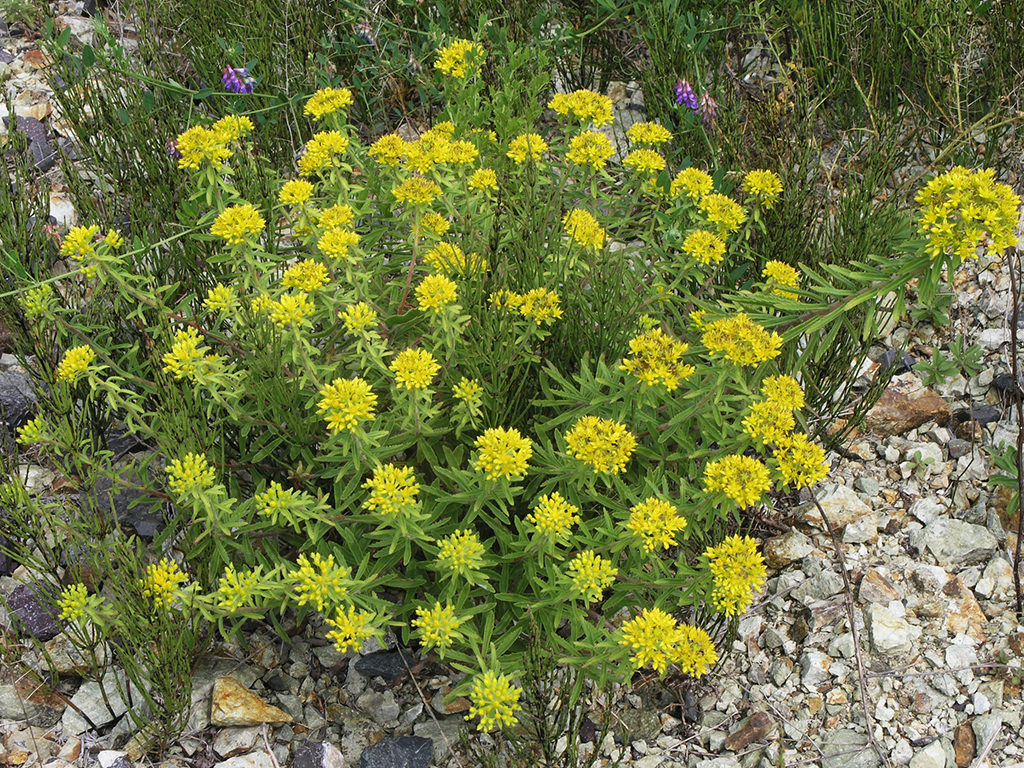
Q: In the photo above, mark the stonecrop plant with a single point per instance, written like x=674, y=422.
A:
x=464, y=387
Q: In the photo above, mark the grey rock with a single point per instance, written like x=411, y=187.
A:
x=927, y=509
x=932, y=756
x=400, y=752
x=14, y=706
x=820, y=587
x=134, y=509
x=380, y=706
x=867, y=485
x=90, y=702
x=229, y=742
x=890, y=634
x=17, y=400
x=814, y=669
x=386, y=664
x=258, y=759
x=958, y=448
x=33, y=610
x=954, y=542
x=444, y=733
x=861, y=531
x=41, y=153
x=848, y=749
x=317, y=754
x=986, y=727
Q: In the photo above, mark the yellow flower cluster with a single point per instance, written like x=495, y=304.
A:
x=539, y=305
x=295, y=192
x=784, y=390
x=494, y=700
x=336, y=243
x=414, y=368
x=769, y=421
x=460, y=58
x=801, y=462
x=743, y=479
x=435, y=293
x=590, y=148
x=483, y=179
x=438, y=627
x=781, y=276
x=645, y=160
x=435, y=147
x=648, y=133
x=75, y=362
x=321, y=582
x=461, y=552
x=189, y=474
x=306, y=275
x=449, y=258
x=201, y=146
x=162, y=581
x=724, y=212
x=346, y=402
x=704, y=247
x=657, y=522
x=337, y=216
x=554, y=516
x=352, y=628
x=741, y=340
x=321, y=151
x=960, y=209
x=276, y=502
x=359, y=317
x=393, y=491
x=582, y=227
x=526, y=145
x=765, y=186
x=73, y=603
x=36, y=301
x=435, y=222
x=235, y=588
x=416, y=191
x=32, y=431
x=388, y=149
x=292, y=309
x=655, y=638
x=738, y=571
x=469, y=392
x=187, y=353
x=232, y=128
x=79, y=242
x=236, y=223
x=220, y=298
x=503, y=453
x=591, y=575
x=657, y=357
x=692, y=182
x=585, y=106
x=327, y=101
x=603, y=444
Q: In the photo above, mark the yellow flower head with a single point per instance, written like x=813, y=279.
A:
x=435, y=222
x=503, y=453
x=460, y=58
x=645, y=161
x=764, y=186
x=769, y=422
x=338, y=216
x=655, y=638
x=554, y=516
x=232, y=127
x=461, y=552
x=201, y=146
x=389, y=149
x=657, y=358
x=526, y=145
x=359, y=317
x=187, y=354
x=279, y=503
x=741, y=340
x=292, y=309
x=393, y=491
x=32, y=431
x=743, y=479
x=483, y=179
x=75, y=362
x=738, y=571
x=801, y=462
x=585, y=106
x=336, y=243
x=692, y=182
x=657, y=522
x=79, y=242
x=189, y=474
x=449, y=258
x=320, y=581
x=648, y=133
x=352, y=628
x=327, y=101
x=591, y=148
x=704, y=247
x=295, y=192
x=781, y=275
x=437, y=626
x=414, y=369
x=722, y=211
x=346, y=402
x=321, y=151
x=540, y=305
x=36, y=301
x=306, y=275
x=162, y=581
x=494, y=700
x=784, y=390
x=591, y=575
x=74, y=602
x=235, y=589
x=469, y=392
x=113, y=239
x=582, y=227
x=416, y=191
x=435, y=293
x=603, y=444
x=220, y=298
x=237, y=223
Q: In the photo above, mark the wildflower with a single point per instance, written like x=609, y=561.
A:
x=321, y=581
x=738, y=571
x=645, y=160
x=494, y=700
x=743, y=479
x=75, y=362
x=648, y=133
x=220, y=298
x=707, y=111
x=359, y=317
x=321, y=150
x=416, y=191
x=503, y=453
x=73, y=603
x=162, y=580
x=460, y=58
x=113, y=239
x=435, y=222
x=801, y=462
x=656, y=639
x=237, y=80
x=232, y=127
x=336, y=243
x=769, y=422
x=238, y=222
x=483, y=178
x=36, y=301
x=657, y=357
x=327, y=101
x=692, y=182
x=554, y=516
x=591, y=148
x=292, y=309
x=278, y=502
x=338, y=216
x=461, y=552
x=781, y=274
x=685, y=95
x=235, y=588
x=261, y=303
x=582, y=227
x=584, y=105
x=389, y=149
x=346, y=402
x=784, y=390
x=295, y=192
x=603, y=444
x=445, y=257
x=201, y=146
x=78, y=242
x=32, y=431
x=306, y=275
x=414, y=368
x=394, y=490
x=468, y=391
x=742, y=340
x=695, y=651
x=591, y=575
x=724, y=212
x=187, y=352
x=462, y=152
x=540, y=305
x=766, y=186
x=505, y=299
x=352, y=629
x=189, y=474
x=435, y=293
x=704, y=247
x=526, y=144
x=438, y=627
x=657, y=522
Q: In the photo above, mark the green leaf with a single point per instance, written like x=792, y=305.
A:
x=88, y=56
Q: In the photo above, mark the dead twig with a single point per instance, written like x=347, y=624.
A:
x=1014, y=263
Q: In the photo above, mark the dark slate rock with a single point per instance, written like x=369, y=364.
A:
x=898, y=359
x=120, y=442
x=310, y=754
x=401, y=752
x=6, y=57
x=33, y=611
x=958, y=448
x=17, y=401
x=135, y=509
x=1004, y=383
x=276, y=683
x=41, y=153
x=386, y=664
x=986, y=414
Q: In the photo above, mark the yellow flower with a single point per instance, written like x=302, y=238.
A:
x=738, y=571
x=296, y=192
x=692, y=182
x=526, y=145
x=591, y=148
x=645, y=160
x=724, y=212
x=232, y=127
x=460, y=58
x=394, y=490
x=656, y=639
x=32, y=431
x=461, y=552
x=327, y=101
x=414, y=369
x=743, y=479
x=741, y=340
x=417, y=191
x=389, y=149
x=338, y=216
x=307, y=275
x=352, y=629
x=582, y=227
x=462, y=152
x=74, y=603
x=189, y=474
x=657, y=522
x=695, y=651
x=220, y=298
x=784, y=390
x=75, y=362
x=503, y=453
x=292, y=309
x=198, y=146
x=113, y=239
x=346, y=402
x=769, y=422
x=603, y=444
x=554, y=516
x=236, y=588
x=162, y=580
x=186, y=355
x=469, y=392
x=591, y=575
x=449, y=258
x=657, y=357
x=648, y=133
x=236, y=223
x=435, y=222
x=336, y=243
x=540, y=305
x=584, y=106
x=437, y=626
x=801, y=462
x=505, y=299
x=494, y=700
x=704, y=247
x=321, y=582
x=321, y=151
x=435, y=293
x=781, y=275
x=79, y=243
x=281, y=504
x=359, y=317
x=36, y=301
x=766, y=186
x=483, y=178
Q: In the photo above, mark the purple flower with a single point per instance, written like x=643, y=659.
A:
x=172, y=149
x=365, y=33
x=685, y=95
x=708, y=110
x=237, y=80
